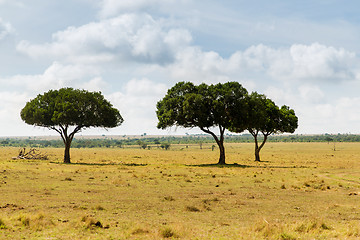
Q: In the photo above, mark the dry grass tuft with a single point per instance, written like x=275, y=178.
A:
x=24, y=220
x=192, y=209
x=169, y=198
x=286, y=236
x=168, y=233
x=312, y=226
x=2, y=224
x=139, y=231
x=36, y=222
x=99, y=208
x=353, y=231
x=316, y=184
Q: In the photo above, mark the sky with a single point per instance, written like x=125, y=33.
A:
x=300, y=53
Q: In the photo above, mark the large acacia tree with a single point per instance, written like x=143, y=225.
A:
x=265, y=117
x=68, y=111
x=204, y=106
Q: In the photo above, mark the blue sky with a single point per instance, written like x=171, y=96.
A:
x=304, y=54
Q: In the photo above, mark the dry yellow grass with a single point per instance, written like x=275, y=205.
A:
x=300, y=191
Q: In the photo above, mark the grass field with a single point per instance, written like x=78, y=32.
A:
x=299, y=191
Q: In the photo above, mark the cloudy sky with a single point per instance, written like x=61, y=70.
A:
x=301, y=53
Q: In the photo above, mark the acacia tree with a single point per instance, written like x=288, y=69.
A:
x=204, y=106
x=267, y=118
x=68, y=111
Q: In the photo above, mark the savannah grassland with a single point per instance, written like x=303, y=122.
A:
x=299, y=191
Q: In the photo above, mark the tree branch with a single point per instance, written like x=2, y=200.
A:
x=60, y=132
x=211, y=133
x=266, y=134
x=76, y=130
x=64, y=133
x=222, y=130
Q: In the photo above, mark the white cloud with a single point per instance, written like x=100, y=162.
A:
x=313, y=62
x=192, y=64
x=57, y=76
x=137, y=104
x=278, y=95
x=131, y=41
x=11, y=105
x=15, y=3
x=10, y=99
x=347, y=109
x=317, y=61
x=316, y=113
x=311, y=94
x=96, y=84
x=5, y=1
x=300, y=63
x=5, y=29
x=129, y=37
x=110, y=8
x=340, y=116
x=139, y=38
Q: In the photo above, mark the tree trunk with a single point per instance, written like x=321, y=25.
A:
x=222, y=152
x=67, y=151
x=257, y=149
x=257, y=155
x=67, y=139
x=219, y=141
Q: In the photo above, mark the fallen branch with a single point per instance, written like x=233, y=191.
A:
x=31, y=154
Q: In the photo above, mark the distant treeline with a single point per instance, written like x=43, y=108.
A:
x=165, y=142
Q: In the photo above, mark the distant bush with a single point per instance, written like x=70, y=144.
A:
x=165, y=142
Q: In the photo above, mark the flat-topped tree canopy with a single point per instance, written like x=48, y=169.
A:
x=264, y=116
x=204, y=106
x=71, y=107
x=67, y=107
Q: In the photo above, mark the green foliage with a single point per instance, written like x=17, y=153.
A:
x=61, y=109
x=203, y=106
x=288, y=120
x=71, y=107
x=165, y=146
x=263, y=116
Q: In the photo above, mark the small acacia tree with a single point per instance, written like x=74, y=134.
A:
x=68, y=111
x=266, y=118
x=204, y=106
